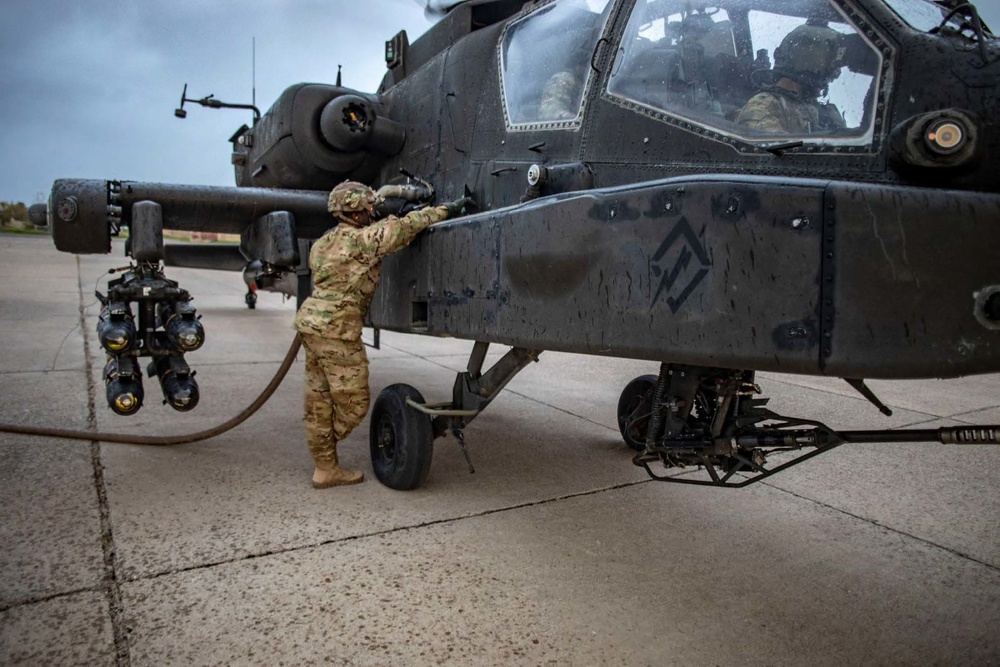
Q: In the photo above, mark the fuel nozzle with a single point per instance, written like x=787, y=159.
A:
x=180, y=390
x=180, y=322
x=123, y=383
x=116, y=327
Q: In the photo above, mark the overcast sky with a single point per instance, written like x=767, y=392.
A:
x=88, y=87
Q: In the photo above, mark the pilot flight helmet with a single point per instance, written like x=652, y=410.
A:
x=811, y=53
x=350, y=197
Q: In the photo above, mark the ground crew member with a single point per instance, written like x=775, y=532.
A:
x=346, y=263
x=806, y=61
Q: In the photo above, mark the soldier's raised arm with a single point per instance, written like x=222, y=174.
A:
x=392, y=233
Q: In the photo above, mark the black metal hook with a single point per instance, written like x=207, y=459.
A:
x=597, y=48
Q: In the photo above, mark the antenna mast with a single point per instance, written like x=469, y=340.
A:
x=253, y=57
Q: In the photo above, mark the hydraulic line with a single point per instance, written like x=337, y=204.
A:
x=656, y=416
x=167, y=440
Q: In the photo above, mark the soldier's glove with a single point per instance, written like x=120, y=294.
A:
x=457, y=207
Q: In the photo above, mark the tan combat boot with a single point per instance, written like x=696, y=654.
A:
x=328, y=474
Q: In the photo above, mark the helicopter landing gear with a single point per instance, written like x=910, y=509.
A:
x=251, y=297
x=400, y=439
x=403, y=426
x=634, y=407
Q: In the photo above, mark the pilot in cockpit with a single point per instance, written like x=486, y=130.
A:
x=566, y=54
x=808, y=59
x=561, y=95
x=563, y=91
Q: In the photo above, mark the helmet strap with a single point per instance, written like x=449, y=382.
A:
x=354, y=218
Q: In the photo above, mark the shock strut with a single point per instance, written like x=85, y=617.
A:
x=656, y=416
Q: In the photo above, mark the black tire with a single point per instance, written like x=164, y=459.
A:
x=400, y=439
x=634, y=406
x=251, y=300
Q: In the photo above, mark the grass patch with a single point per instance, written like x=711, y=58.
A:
x=28, y=232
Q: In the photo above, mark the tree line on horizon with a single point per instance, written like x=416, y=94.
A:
x=11, y=211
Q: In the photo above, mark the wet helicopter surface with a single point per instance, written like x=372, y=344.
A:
x=724, y=188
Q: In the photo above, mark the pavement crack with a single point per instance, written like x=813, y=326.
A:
x=42, y=371
x=391, y=531
x=897, y=531
x=5, y=607
x=968, y=413
x=112, y=583
x=62, y=344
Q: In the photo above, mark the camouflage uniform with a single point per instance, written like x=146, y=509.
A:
x=807, y=60
x=560, y=93
x=784, y=113
x=346, y=263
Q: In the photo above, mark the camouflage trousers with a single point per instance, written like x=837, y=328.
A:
x=337, y=394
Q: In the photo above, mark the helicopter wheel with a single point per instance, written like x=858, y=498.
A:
x=251, y=299
x=634, y=407
x=400, y=439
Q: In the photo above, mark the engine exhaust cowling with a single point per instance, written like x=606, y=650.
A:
x=315, y=136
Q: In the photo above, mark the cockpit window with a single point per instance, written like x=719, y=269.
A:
x=925, y=15
x=754, y=71
x=919, y=14
x=545, y=63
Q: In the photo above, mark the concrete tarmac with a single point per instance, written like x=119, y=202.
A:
x=556, y=551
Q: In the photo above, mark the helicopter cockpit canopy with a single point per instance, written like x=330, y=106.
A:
x=928, y=16
x=545, y=63
x=751, y=71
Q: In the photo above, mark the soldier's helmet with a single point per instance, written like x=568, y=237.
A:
x=351, y=197
x=812, y=54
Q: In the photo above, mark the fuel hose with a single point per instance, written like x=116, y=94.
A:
x=167, y=440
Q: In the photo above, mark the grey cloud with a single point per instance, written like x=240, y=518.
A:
x=89, y=87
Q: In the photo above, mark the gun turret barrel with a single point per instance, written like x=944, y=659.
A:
x=83, y=211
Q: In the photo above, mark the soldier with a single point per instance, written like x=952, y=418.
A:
x=346, y=263
x=560, y=97
x=806, y=61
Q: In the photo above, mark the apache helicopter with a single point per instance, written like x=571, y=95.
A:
x=640, y=195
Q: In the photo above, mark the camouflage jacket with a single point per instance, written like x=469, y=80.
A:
x=346, y=263
x=778, y=113
x=560, y=97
